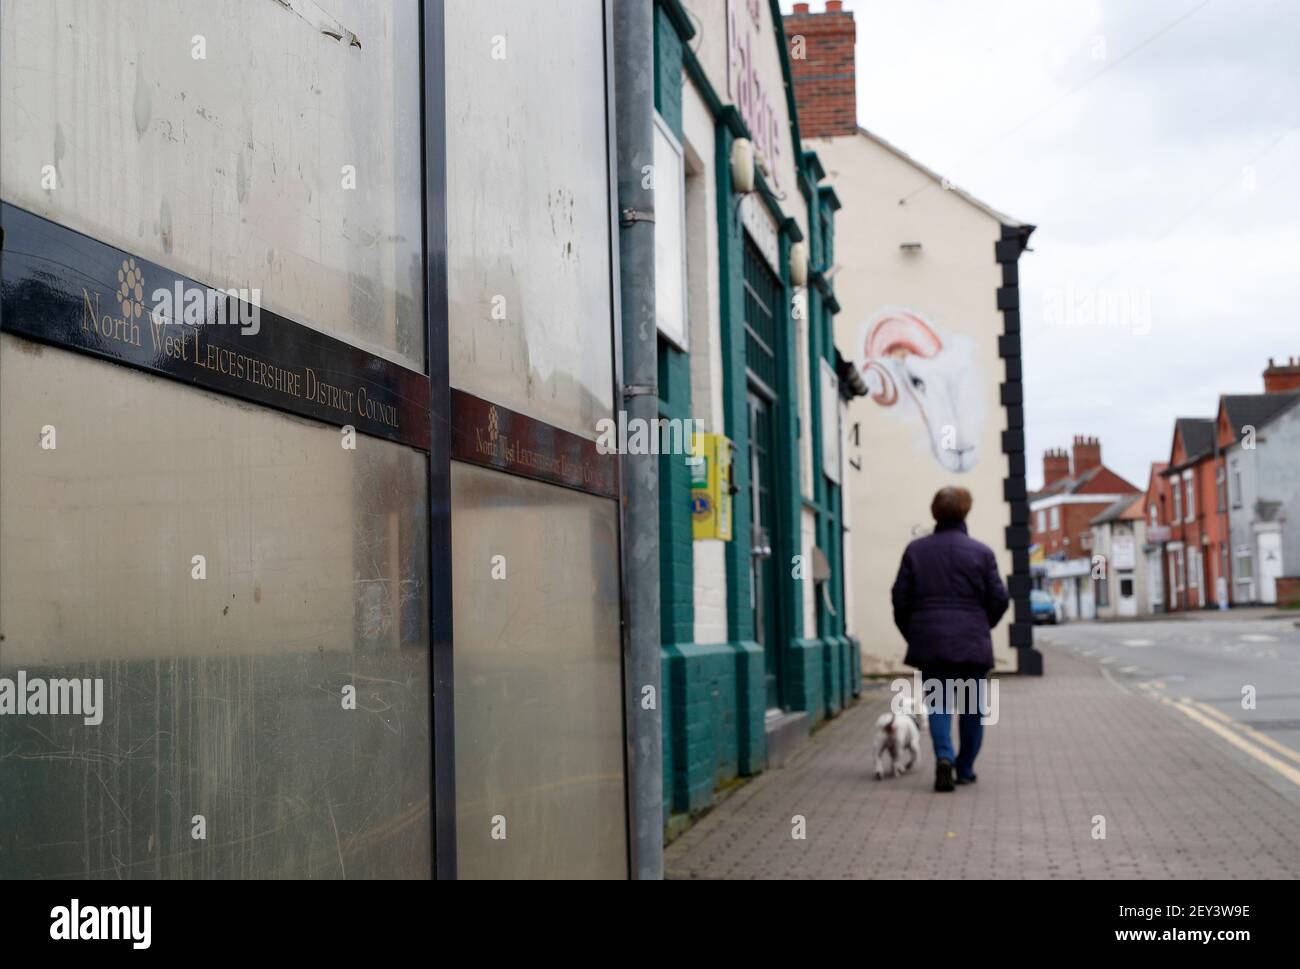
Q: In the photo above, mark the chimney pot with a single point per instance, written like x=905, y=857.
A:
x=1279, y=378
x=1087, y=453
x=825, y=88
x=1056, y=465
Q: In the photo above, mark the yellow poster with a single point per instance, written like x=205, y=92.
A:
x=711, y=487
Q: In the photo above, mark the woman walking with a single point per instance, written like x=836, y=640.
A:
x=947, y=597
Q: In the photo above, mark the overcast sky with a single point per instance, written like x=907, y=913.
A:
x=1156, y=145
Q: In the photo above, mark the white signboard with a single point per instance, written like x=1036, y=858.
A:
x=1123, y=552
x=670, y=236
x=762, y=228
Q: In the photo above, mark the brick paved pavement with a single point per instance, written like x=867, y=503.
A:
x=1178, y=801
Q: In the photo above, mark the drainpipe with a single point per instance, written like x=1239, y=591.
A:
x=634, y=109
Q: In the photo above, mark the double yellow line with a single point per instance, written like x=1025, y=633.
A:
x=1241, y=735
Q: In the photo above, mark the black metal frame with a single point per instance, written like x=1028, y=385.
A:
x=433, y=65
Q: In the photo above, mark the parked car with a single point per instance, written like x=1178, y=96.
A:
x=1044, y=608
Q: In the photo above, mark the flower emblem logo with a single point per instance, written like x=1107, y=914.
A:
x=130, y=289
x=493, y=425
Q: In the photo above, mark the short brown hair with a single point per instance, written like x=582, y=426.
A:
x=950, y=505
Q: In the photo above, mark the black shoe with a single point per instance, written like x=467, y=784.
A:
x=966, y=780
x=943, y=776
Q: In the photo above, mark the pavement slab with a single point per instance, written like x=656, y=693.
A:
x=1178, y=801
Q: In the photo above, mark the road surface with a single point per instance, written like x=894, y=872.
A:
x=1238, y=675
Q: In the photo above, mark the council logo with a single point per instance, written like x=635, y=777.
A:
x=130, y=290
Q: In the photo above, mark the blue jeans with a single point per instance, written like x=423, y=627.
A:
x=969, y=727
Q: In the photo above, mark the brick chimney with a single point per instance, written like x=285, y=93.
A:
x=1087, y=454
x=821, y=48
x=1278, y=378
x=1056, y=465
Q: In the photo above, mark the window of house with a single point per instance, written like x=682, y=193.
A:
x=1178, y=503
x=1176, y=568
x=1056, y=518
x=1193, y=570
x=1042, y=520
x=1191, y=499
x=1103, y=592
x=1236, y=485
x=763, y=304
x=1244, y=570
x=1221, y=481
x=1155, y=515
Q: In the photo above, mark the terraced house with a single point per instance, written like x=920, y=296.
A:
x=755, y=647
x=1259, y=440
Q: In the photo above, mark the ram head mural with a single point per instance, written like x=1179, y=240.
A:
x=928, y=378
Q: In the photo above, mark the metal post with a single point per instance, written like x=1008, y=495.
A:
x=633, y=25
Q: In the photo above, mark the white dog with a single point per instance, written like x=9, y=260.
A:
x=898, y=735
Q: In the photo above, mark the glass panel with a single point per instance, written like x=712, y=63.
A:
x=528, y=208
x=164, y=141
x=539, y=717
x=762, y=303
x=223, y=696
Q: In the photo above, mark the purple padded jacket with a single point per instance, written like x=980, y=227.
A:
x=947, y=597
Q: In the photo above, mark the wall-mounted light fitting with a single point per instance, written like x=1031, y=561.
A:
x=742, y=166
x=799, y=264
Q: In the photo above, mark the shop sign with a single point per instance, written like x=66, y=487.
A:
x=66, y=289
x=747, y=88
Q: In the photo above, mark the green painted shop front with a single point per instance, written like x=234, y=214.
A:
x=717, y=696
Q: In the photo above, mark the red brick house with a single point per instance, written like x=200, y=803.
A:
x=1077, y=488
x=1196, y=552
x=1190, y=500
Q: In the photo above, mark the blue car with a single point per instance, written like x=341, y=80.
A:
x=1044, y=608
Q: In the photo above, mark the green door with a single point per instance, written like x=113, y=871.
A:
x=763, y=309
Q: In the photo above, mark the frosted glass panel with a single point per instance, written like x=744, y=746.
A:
x=223, y=696
x=282, y=154
x=528, y=208
x=539, y=716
